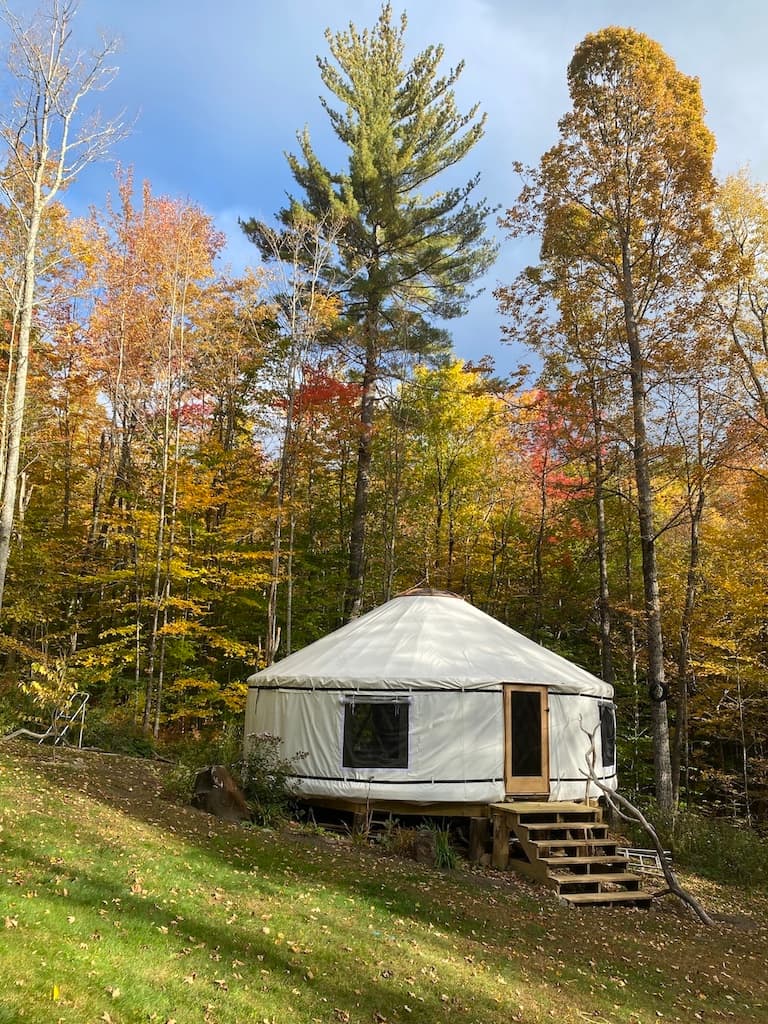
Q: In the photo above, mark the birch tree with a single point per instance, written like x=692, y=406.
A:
x=48, y=139
x=301, y=256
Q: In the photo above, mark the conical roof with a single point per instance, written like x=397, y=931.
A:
x=427, y=641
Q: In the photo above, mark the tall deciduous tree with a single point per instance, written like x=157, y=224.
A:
x=554, y=309
x=739, y=299
x=302, y=310
x=625, y=194
x=452, y=469
x=409, y=256
x=48, y=142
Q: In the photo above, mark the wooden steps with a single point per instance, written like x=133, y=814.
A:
x=566, y=846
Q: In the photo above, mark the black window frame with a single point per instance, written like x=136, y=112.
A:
x=375, y=733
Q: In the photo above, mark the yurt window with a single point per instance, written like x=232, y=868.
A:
x=608, y=734
x=375, y=732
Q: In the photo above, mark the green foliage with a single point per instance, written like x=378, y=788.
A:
x=16, y=709
x=711, y=847
x=220, y=746
x=445, y=855
x=116, y=731
x=179, y=781
x=195, y=751
x=450, y=470
x=403, y=841
x=266, y=779
x=402, y=128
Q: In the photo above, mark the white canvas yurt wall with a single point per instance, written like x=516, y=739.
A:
x=407, y=703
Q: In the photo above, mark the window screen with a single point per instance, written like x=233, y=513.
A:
x=375, y=734
x=608, y=734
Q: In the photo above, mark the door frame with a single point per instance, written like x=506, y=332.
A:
x=526, y=785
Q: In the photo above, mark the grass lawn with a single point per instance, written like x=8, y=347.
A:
x=117, y=905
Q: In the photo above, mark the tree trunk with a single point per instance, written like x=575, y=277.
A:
x=354, y=595
x=285, y=477
x=8, y=386
x=289, y=584
x=393, y=510
x=157, y=587
x=645, y=509
x=604, y=606
x=680, y=744
x=16, y=426
x=538, y=552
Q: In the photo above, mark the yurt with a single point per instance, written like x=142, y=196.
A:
x=428, y=703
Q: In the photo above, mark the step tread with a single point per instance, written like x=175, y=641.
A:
x=572, y=844
x=625, y=896
x=562, y=826
x=588, y=818
x=544, y=807
x=609, y=858
x=616, y=876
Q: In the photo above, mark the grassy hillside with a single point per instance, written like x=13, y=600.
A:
x=119, y=906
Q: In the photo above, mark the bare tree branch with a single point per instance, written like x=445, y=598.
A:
x=628, y=812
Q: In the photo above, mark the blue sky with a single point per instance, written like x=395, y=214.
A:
x=220, y=90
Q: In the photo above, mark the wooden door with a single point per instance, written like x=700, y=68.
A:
x=526, y=740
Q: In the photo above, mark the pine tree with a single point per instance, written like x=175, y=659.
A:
x=404, y=257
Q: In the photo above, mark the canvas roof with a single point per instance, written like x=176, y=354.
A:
x=427, y=640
